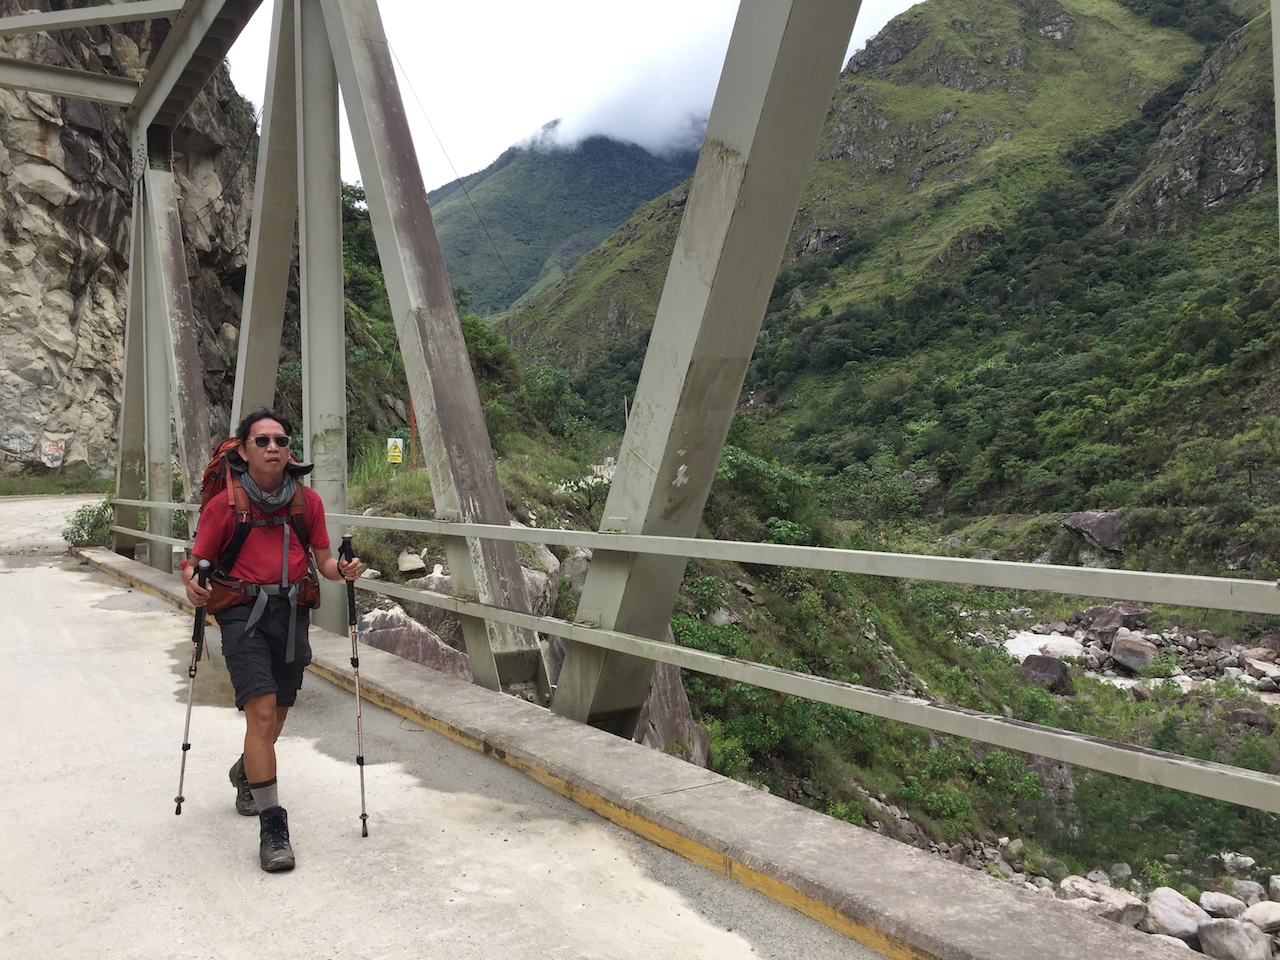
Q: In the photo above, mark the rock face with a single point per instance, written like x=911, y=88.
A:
x=65, y=203
x=396, y=632
x=1208, y=154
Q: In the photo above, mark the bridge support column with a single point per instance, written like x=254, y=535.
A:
x=324, y=358
x=455, y=440
x=776, y=87
x=1275, y=55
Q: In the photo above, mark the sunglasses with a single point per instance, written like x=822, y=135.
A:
x=261, y=441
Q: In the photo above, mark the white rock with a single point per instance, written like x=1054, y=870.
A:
x=1265, y=916
x=1117, y=905
x=1274, y=886
x=410, y=562
x=1170, y=912
x=1249, y=891
x=1237, y=864
x=1221, y=905
x=1227, y=939
x=1172, y=940
x=1025, y=643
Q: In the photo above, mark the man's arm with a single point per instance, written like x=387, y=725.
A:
x=332, y=568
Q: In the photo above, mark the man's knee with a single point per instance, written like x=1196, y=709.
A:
x=260, y=713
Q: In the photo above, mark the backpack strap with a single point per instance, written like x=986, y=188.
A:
x=239, y=501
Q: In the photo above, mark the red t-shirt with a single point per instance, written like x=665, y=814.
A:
x=260, y=557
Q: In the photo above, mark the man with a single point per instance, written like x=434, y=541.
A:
x=270, y=587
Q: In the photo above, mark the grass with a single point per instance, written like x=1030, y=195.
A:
x=50, y=484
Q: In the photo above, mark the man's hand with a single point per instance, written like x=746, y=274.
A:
x=351, y=570
x=197, y=595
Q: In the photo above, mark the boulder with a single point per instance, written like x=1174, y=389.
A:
x=574, y=568
x=1260, y=669
x=410, y=562
x=443, y=623
x=1265, y=654
x=1227, y=939
x=1264, y=915
x=1049, y=672
x=1221, y=905
x=1116, y=905
x=666, y=723
x=1172, y=941
x=1237, y=864
x=396, y=632
x=1101, y=530
x=1121, y=873
x=1251, y=718
x=1249, y=891
x=1101, y=623
x=1099, y=876
x=1171, y=913
x=1273, y=886
x=1131, y=652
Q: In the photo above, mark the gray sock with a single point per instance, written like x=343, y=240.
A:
x=265, y=794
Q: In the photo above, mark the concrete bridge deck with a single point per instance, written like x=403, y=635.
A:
x=466, y=856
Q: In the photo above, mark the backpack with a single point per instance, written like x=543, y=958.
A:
x=219, y=477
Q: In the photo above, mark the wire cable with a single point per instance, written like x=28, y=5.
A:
x=461, y=182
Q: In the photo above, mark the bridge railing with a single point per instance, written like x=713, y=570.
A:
x=1207, y=778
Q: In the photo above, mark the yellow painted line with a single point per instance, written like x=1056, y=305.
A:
x=692, y=850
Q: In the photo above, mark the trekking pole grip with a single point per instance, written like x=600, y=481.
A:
x=203, y=569
x=347, y=553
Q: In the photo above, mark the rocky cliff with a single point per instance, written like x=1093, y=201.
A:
x=65, y=204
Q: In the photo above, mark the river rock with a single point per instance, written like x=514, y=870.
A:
x=1170, y=912
x=1101, y=623
x=1132, y=652
x=1116, y=905
x=1264, y=915
x=1227, y=939
x=410, y=562
x=1237, y=864
x=1172, y=941
x=1273, y=886
x=1220, y=905
x=1048, y=672
x=1251, y=718
x=1249, y=891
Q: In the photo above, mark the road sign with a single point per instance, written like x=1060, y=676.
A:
x=395, y=450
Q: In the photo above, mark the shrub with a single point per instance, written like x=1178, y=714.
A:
x=90, y=525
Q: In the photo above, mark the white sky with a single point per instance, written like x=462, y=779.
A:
x=489, y=74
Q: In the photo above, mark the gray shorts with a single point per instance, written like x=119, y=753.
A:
x=256, y=661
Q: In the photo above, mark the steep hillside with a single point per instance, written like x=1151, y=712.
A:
x=523, y=221
x=950, y=120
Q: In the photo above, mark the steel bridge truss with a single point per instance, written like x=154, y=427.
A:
x=778, y=78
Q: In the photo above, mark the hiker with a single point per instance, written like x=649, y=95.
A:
x=260, y=594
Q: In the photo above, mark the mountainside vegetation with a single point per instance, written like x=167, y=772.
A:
x=1035, y=271
x=517, y=226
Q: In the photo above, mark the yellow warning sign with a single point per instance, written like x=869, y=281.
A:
x=395, y=450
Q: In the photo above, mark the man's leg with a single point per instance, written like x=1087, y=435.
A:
x=263, y=722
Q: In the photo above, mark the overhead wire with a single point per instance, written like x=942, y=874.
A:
x=461, y=182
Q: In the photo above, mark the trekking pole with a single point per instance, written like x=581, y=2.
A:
x=197, y=648
x=348, y=554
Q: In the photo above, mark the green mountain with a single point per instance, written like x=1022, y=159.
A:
x=517, y=226
x=1035, y=265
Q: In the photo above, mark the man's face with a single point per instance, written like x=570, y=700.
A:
x=266, y=463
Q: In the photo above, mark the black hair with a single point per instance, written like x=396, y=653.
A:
x=262, y=413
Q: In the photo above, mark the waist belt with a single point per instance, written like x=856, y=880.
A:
x=264, y=590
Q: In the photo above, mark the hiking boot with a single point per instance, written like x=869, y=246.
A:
x=245, y=804
x=274, y=850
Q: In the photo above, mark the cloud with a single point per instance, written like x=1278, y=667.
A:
x=661, y=103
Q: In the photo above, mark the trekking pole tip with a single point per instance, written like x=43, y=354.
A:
x=178, y=811
x=364, y=824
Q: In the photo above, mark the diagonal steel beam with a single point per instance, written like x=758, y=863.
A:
x=455, y=440
x=776, y=87
x=65, y=82
x=275, y=214
x=180, y=334
x=202, y=34
x=36, y=20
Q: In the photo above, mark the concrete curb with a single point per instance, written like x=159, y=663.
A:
x=893, y=898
